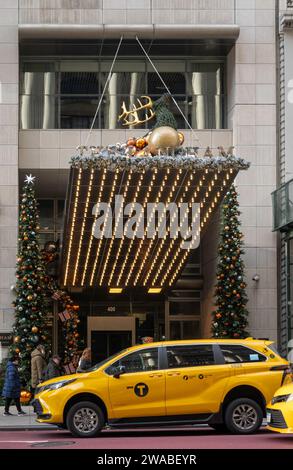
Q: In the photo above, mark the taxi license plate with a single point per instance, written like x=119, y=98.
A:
x=269, y=417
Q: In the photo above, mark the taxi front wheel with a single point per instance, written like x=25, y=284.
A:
x=243, y=416
x=85, y=419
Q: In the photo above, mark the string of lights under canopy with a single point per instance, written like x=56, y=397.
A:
x=139, y=241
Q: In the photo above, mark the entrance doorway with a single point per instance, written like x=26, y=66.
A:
x=107, y=343
x=109, y=335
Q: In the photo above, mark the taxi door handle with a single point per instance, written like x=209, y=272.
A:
x=174, y=373
x=155, y=375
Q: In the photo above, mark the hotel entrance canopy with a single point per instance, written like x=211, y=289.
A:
x=142, y=260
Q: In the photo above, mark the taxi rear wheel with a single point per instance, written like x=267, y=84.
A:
x=243, y=416
x=85, y=419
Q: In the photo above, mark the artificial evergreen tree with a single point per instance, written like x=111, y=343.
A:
x=230, y=317
x=164, y=117
x=31, y=303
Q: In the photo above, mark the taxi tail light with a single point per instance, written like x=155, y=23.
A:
x=287, y=370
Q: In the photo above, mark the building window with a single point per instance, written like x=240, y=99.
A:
x=51, y=220
x=64, y=94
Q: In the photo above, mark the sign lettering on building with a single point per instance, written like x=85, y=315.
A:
x=5, y=339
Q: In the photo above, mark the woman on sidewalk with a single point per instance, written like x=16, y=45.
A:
x=85, y=362
x=11, y=388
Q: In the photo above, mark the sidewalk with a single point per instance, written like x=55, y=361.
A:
x=27, y=421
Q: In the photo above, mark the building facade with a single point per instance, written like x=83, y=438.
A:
x=220, y=59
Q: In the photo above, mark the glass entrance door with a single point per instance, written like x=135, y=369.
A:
x=106, y=343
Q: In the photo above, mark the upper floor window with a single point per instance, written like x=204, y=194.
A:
x=64, y=94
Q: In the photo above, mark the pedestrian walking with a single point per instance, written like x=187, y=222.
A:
x=53, y=368
x=11, y=388
x=85, y=361
x=38, y=366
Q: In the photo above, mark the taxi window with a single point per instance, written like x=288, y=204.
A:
x=238, y=353
x=138, y=361
x=190, y=356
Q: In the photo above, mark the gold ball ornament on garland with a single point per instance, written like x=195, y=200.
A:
x=164, y=137
x=35, y=329
x=16, y=339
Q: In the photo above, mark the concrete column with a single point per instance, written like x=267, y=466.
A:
x=8, y=158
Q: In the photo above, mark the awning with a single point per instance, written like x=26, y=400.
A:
x=94, y=256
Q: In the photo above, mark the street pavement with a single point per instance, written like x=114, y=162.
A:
x=22, y=432
x=156, y=438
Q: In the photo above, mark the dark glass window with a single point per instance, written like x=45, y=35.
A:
x=185, y=307
x=190, y=356
x=65, y=93
x=238, y=353
x=46, y=208
x=139, y=361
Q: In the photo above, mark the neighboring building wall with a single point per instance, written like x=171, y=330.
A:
x=285, y=150
x=8, y=157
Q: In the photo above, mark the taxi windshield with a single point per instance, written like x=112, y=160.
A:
x=100, y=364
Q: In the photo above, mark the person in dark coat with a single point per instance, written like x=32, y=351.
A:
x=85, y=362
x=11, y=388
x=54, y=368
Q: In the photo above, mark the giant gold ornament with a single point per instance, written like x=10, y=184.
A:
x=164, y=137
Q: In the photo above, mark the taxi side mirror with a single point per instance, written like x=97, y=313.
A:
x=119, y=371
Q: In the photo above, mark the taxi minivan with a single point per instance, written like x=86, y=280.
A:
x=223, y=383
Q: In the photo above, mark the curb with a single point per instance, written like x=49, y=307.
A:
x=28, y=427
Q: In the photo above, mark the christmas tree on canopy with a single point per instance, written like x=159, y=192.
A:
x=32, y=302
x=230, y=317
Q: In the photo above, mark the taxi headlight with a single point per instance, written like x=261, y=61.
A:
x=290, y=397
x=55, y=385
x=280, y=399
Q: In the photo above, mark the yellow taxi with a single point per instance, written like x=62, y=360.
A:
x=223, y=383
x=280, y=410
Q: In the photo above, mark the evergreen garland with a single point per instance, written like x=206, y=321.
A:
x=230, y=317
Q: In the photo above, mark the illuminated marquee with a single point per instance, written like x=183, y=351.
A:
x=150, y=262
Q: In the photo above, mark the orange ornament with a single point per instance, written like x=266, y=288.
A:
x=181, y=138
x=141, y=143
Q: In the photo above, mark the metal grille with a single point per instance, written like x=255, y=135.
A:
x=277, y=420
